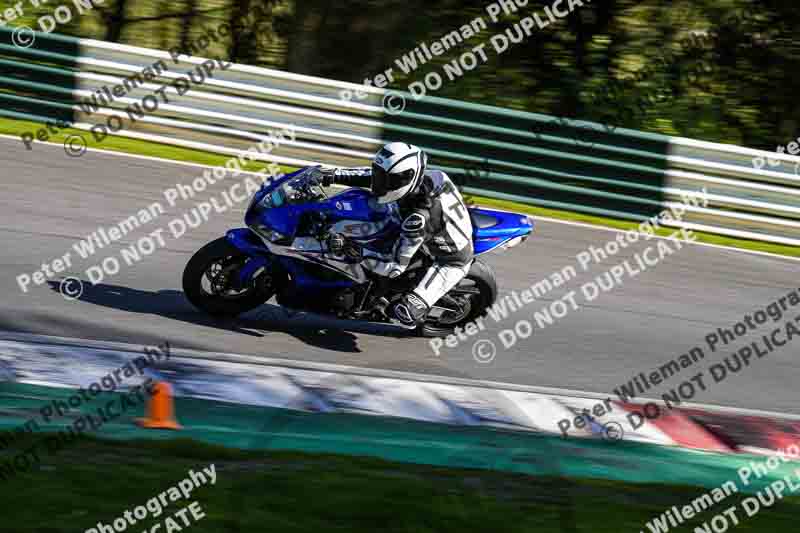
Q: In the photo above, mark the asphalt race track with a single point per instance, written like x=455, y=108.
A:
x=50, y=200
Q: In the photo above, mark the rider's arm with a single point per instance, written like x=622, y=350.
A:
x=356, y=177
x=412, y=237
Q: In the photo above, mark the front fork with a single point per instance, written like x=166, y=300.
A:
x=250, y=245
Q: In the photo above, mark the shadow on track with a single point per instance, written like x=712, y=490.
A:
x=314, y=330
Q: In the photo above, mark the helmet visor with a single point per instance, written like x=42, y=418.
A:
x=380, y=180
x=384, y=183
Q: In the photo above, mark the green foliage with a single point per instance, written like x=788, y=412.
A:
x=735, y=85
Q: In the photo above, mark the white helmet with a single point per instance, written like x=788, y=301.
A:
x=397, y=170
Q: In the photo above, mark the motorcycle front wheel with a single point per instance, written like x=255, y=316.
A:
x=208, y=281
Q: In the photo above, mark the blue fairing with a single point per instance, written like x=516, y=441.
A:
x=273, y=209
x=352, y=204
x=260, y=256
x=491, y=229
x=247, y=242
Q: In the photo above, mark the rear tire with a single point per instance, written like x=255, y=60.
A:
x=482, y=276
x=228, y=259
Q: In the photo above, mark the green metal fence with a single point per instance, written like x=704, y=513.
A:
x=492, y=152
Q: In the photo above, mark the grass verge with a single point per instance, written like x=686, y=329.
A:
x=298, y=492
x=125, y=145
x=135, y=146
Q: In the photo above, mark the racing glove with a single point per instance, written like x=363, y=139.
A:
x=325, y=176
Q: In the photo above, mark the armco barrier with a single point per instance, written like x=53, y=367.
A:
x=528, y=157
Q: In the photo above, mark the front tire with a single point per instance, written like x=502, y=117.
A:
x=207, y=281
x=481, y=285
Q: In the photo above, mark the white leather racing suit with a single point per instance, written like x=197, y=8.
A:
x=434, y=217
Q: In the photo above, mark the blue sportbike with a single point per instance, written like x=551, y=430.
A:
x=284, y=252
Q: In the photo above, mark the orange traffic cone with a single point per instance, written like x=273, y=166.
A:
x=160, y=409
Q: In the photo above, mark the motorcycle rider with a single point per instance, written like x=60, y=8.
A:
x=434, y=217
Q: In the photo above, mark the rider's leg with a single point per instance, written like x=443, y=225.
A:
x=438, y=280
x=381, y=264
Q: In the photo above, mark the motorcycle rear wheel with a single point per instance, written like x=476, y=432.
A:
x=476, y=293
